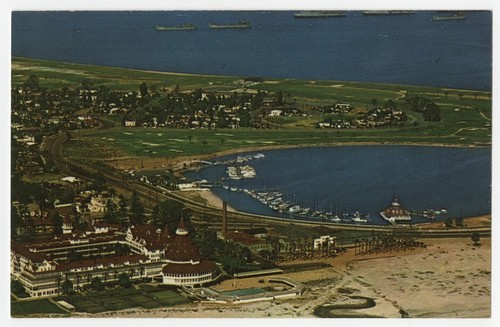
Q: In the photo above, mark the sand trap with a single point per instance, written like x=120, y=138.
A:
x=128, y=133
x=151, y=144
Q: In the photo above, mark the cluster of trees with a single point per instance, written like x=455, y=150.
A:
x=160, y=106
x=127, y=212
x=429, y=109
x=234, y=257
x=96, y=283
x=385, y=243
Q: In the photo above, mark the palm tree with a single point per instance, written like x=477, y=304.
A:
x=89, y=278
x=475, y=238
x=58, y=279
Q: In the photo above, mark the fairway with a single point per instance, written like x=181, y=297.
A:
x=466, y=114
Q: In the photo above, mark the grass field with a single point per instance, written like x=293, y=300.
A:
x=22, y=308
x=466, y=127
x=58, y=74
x=147, y=297
x=466, y=114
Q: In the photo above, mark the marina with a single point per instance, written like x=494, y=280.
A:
x=312, y=184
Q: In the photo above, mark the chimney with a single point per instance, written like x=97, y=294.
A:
x=224, y=217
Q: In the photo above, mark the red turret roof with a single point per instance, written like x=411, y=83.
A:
x=181, y=228
x=182, y=249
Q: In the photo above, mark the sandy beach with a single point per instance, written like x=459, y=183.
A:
x=181, y=163
x=450, y=278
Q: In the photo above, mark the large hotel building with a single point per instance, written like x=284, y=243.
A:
x=150, y=253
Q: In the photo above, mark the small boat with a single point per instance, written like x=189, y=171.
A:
x=183, y=27
x=336, y=219
x=319, y=14
x=357, y=217
x=454, y=16
x=240, y=24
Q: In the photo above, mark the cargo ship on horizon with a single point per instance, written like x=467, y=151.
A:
x=454, y=16
x=241, y=24
x=183, y=27
x=388, y=12
x=319, y=14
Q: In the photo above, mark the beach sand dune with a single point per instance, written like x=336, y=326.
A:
x=450, y=278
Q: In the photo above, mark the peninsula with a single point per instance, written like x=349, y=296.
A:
x=104, y=225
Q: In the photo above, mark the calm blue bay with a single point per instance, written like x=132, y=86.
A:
x=408, y=49
x=366, y=178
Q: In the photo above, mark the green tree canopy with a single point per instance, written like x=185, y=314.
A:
x=97, y=284
x=67, y=287
x=168, y=213
x=57, y=219
x=136, y=210
x=124, y=280
x=111, y=215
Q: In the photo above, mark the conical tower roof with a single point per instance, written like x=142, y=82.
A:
x=182, y=249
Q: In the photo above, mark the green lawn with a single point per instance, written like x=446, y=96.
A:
x=22, y=308
x=118, y=299
x=466, y=114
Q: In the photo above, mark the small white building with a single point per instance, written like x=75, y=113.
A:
x=326, y=240
x=275, y=112
x=130, y=123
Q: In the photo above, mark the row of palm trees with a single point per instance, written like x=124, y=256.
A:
x=385, y=243
x=85, y=280
x=304, y=249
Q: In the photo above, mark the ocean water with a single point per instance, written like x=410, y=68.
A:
x=409, y=49
x=366, y=178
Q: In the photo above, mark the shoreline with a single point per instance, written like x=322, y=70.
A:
x=179, y=163
x=451, y=270
x=278, y=79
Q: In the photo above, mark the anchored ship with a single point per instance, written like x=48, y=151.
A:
x=395, y=213
x=455, y=16
x=388, y=12
x=241, y=24
x=183, y=27
x=319, y=14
